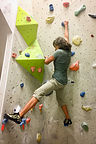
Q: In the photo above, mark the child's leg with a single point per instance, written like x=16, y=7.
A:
x=65, y=110
x=32, y=102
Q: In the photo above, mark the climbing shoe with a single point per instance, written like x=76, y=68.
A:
x=14, y=117
x=67, y=122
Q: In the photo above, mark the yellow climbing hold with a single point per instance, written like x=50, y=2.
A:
x=86, y=108
x=50, y=20
x=76, y=40
x=38, y=137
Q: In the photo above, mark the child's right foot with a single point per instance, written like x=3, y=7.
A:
x=67, y=122
x=14, y=117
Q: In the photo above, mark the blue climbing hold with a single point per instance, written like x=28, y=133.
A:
x=22, y=123
x=51, y=7
x=62, y=24
x=27, y=54
x=72, y=53
x=82, y=94
x=4, y=121
x=22, y=85
x=24, y=120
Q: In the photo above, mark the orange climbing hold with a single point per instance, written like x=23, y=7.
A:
x=28, y=120
x=75, y=66
x=40, y=107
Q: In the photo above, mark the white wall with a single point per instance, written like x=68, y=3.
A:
x=8, y=11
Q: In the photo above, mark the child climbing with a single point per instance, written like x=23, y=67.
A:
x=61, y=58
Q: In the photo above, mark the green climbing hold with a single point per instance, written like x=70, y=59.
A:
x=36, y=60
x=28, y=29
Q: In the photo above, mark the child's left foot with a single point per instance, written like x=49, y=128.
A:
x=14, y=117
x=67, y=122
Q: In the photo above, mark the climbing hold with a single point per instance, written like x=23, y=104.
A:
x=20, y=52
x=40, y=107
x=51, y=8
x=28, y=120
x=2, y=127
x=84, y=125
x=28, y=18
x=82, y=94
x=82, y=8
x=33, y=68
x=27, y=54
x=72, y=53
x=92, y=35
x=94, y=65
x=4, y=121
x=27, y=29
x=22, y=125
x=62, y=24
x=3, y=124
x=86, y=108
x=76, y=40
x=38, y=137
x=92, y=15
x=24, y=120
x=66, y=4
x=22, y=85
x=50, y=20
x=14, y=55
x=75, y=66
x=39, y=70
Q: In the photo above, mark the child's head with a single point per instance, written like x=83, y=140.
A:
x=61, y=43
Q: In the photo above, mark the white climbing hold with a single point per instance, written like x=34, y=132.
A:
x=76, y=40
x=94, y=65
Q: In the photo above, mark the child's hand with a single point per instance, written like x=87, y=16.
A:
x=45, y=57
x=65, y=23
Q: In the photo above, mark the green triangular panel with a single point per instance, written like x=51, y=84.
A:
x=36, y=59
x=27, y=29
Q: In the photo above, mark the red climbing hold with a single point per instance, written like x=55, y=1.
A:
x=28, y=18
x=2, y=128
x=74, y=66
x=66, y=4
x=14, y=55
x=28, y=120
x=22, y=126
x=39, y=70
x=33, y=68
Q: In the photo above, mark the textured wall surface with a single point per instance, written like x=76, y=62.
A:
x=50, y=122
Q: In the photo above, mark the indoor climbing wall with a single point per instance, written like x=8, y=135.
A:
x=79, y=94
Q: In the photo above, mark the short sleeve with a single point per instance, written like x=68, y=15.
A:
x=56, y=54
